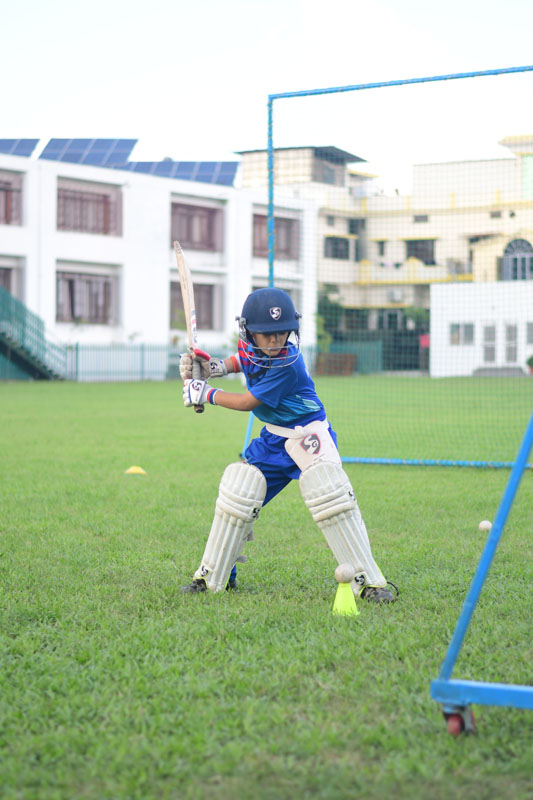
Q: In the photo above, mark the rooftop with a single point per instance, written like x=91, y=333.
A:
x=328, y=153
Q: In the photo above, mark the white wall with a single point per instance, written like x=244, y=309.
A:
x=499, y=304
x=142, y=257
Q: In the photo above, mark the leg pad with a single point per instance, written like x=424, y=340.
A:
x=241, y=494
x=329, y=496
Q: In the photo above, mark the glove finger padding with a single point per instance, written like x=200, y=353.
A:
x=209, y=367
x=185, y=367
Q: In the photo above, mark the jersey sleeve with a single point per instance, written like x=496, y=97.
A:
x=274, y=386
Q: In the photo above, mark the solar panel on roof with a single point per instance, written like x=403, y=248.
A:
x=225, y=180
x=93, y=159
x=184, y=169
x=144, y=166
x=164, y=168
x=79, y=144
x=54, y=148
x=125, y=144
x=100, y=146
x=18, y=147
x=114, y=153
x=96, y=152
x=120, y=151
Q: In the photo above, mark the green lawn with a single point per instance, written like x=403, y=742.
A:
x=425, y=418
x=114, y=685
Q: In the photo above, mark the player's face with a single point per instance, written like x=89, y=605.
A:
x=271, y=343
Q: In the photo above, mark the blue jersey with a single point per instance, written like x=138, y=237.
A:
x=288, y=398
x=287, y=392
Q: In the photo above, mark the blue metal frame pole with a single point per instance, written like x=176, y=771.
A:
x=270, y=214
x=487, y=555
x=270, y=231
x=431, y=462
x=382, y=84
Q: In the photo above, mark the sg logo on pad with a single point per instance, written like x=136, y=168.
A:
x=311, y=444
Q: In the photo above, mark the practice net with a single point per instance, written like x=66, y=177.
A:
x=403, y=230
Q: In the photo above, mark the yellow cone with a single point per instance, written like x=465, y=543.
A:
x=345, y=601
x=135, y=471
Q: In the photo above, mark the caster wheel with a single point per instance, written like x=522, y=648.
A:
x=461, y=722
x=455, y=724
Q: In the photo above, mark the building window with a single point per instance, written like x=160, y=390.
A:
x=196, y=227
x=518, y=261
x=330, y=220
x=10, y=198
x=420, y=218
x=89, y=207
x=529, y=332
x=495, y=214
x=511, y=339
x=326, y=173
x=204, y=298
x=286, y=237
x=356, y=226
x=381, y=247
x=85, y=298
x=389, y=320
x=5, y=279
x=423, y=249
x=336, y=247
x=489, y=344
x=461, y=333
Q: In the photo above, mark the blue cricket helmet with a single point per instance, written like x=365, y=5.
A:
x=268, y=311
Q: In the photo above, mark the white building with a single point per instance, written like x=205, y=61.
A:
x=89, y=248
x=86, y=244
x=481, y=328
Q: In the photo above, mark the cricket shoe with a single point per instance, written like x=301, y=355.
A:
x=232, y=580
x=198, y=585
x=380, y=594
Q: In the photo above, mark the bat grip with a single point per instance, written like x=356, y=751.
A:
x=197, y=375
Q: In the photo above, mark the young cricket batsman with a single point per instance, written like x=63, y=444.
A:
x=296, y=443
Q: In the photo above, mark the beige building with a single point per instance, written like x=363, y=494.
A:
x=377, y=255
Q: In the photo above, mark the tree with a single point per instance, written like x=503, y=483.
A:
x=331, y=313
x=323, y=338
x=420, y=317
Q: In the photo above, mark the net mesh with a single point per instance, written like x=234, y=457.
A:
x=408, y=212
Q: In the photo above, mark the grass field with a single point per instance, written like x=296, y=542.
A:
x=114, y=685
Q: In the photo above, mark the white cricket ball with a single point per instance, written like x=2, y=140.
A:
x=345, y=573
x=485, y=525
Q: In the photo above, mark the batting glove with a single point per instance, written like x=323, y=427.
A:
x=198, y=393
x=209, y=367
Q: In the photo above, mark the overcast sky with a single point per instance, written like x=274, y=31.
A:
x=191, y=79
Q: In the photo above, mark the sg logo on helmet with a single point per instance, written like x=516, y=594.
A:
x=275, y=312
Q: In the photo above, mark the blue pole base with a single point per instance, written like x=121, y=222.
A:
x=453, y=694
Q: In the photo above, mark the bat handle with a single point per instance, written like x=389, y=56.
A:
x=197, y=375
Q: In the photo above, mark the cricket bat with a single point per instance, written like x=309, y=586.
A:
x=187, y=293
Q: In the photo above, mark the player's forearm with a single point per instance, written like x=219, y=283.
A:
x=232, y=364
x=237, y=402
